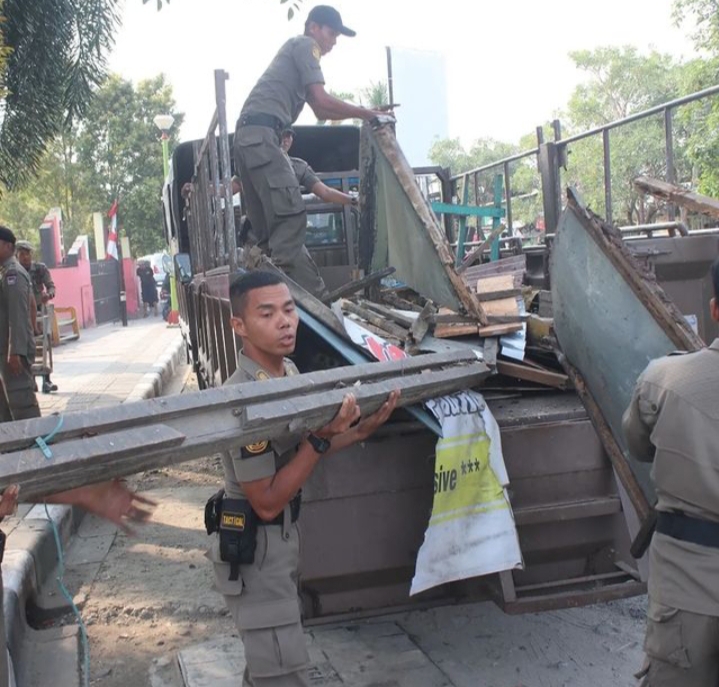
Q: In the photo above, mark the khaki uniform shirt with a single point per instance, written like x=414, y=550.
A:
x=16, y=333
x=264, y=458
x=673, y=420
x=305, y=174
x=41, y=280
x=281, y=90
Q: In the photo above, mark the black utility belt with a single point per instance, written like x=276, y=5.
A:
x=237, y=523
x=260, y=119
x=679, y=525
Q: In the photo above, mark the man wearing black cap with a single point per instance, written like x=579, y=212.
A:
x=271, y=190
x=17, y=336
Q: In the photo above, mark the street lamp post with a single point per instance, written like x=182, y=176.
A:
x=164, y=124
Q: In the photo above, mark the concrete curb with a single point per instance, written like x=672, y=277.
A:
x=152, y=383
x=31, y=553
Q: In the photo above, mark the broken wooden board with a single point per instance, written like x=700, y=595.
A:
x=113, y=442
x=695, y=202
x=398, y=227
x=516, y=265
x=610, y=317
x=526, y=373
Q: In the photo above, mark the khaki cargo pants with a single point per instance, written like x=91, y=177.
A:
x=265, y=606
x=274, y=205
x=682, y=648
x=17, y=395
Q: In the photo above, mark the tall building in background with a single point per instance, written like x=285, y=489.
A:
x=418, y=82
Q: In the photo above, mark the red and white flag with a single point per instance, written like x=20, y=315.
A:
x=111, y=251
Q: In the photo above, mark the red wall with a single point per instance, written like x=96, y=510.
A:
x=73, y=288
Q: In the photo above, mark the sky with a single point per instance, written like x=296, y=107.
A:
x=507, y=63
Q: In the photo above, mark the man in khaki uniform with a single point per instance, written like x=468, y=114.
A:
x=271, y=191
x=262, y=596
x=673, y=420
x=43, y=288
x=17, y=335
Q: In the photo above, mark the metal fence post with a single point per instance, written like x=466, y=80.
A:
x=548, y=161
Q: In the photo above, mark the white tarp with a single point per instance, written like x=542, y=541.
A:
x=471, y=530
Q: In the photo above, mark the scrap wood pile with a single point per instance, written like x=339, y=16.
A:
x=405, y=318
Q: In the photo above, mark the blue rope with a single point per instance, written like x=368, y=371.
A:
x=43, y=442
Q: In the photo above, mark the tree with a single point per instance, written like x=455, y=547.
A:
x=705, y=14
x=119, y=155
x=114, y=152
x=55, y=61
x=621, y=82
x=52, y=59
x=375, y=96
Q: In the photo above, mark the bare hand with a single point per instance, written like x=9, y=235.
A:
x=348, y=414
x=15, y=364
x=46, y=297
x=8, y=501
x=372, y=423
x=115, y=502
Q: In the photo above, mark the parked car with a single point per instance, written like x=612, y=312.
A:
x=158, y=269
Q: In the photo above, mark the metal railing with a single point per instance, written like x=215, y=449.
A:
x=211, y=217
x=552, y=156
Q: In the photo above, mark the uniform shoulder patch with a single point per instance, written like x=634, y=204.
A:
x=255, y=449
x=316, y=52
x=11, y=278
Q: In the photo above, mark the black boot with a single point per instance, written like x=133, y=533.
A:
x=47, y=385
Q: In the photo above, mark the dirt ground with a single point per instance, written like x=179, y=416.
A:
x=148, y=596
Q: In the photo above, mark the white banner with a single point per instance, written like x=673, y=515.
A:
x=471, y=531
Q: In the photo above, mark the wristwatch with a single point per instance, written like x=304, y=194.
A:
x=318, y=443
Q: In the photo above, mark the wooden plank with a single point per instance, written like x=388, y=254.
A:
x=695, y=202
x=624, y=471
x=389, y=314
x=358, y=285
x=447, y=331
x=500, y=329
x=499, y=282
x=292, y=414
x=501, y=307
x=528, y=374
x=478, y=250
x=420, y=326
x=78, y=461
x=88, y=456
x=491, y=349
x=391, y=328
x=498, y=295
x=173, y=409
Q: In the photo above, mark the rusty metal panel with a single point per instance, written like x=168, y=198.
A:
x=610, y=318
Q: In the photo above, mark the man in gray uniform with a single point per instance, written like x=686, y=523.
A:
x=256, y=554
x=17, y=335
x=43, y=288
x=673, y=420
x=272, y=193
x=307, y=178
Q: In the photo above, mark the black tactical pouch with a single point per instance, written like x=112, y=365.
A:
x=238, y=534
x=213, y=508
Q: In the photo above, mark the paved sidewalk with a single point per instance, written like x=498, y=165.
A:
x=105, y=364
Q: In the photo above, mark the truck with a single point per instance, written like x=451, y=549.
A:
x=365, y=511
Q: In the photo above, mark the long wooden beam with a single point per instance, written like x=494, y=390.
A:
x=113, y=442
x=696, y=202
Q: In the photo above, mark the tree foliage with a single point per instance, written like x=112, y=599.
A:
x=114, y=152
x=56, y=60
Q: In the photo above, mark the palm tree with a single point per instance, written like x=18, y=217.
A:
x=56, y=59
x=375, y=95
